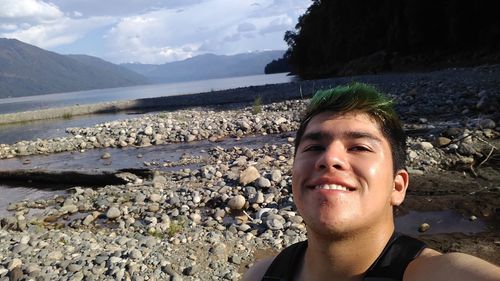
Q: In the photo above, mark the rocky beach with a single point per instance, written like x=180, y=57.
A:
x=212, y=211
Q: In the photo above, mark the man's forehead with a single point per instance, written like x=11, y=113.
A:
x=356, y=119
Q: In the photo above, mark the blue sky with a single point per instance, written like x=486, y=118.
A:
x=150, y=31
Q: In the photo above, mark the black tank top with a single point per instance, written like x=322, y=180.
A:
x=389, y=266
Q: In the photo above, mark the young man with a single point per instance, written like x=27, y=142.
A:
x=348, y=173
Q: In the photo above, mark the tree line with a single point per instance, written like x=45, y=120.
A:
x=335, y=36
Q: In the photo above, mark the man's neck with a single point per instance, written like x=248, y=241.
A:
x=343, y=259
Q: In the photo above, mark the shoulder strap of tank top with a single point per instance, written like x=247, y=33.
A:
x=392, y=262
x=285, y=264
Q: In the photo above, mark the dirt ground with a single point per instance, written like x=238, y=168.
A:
x=467, y=195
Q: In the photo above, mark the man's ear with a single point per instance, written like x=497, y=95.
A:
x=400, y=185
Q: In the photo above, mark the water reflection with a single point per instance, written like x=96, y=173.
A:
x=440, y=222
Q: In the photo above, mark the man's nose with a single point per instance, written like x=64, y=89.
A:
x=333, y=157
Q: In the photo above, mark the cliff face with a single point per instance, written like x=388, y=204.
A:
x=344, y=36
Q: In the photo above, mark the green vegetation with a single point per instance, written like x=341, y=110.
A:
x=257, y=105
x=340, y=37
x=175, y=227
x=67, y=115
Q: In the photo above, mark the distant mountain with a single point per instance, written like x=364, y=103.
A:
x=27, y=70
x=207, y=66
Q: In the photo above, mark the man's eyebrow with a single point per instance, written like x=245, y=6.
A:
x=361, y=135
x=315, y=136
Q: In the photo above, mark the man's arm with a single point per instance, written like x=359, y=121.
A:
x=452, y=266
x=257, y=271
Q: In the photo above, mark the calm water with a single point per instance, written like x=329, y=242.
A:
x=10, y=105
x=11, y=133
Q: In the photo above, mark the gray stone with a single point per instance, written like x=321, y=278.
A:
x=113, y=213
x=190, y=138
x=249, y=175
x=275, y=222
x=55, y=255
x=135, y=254
x=219, y=251
x=190, y=270
x=276, y=176
x=14, y=263
x=88, y=220
x=16, y=274
x=236, y=259
x=148, y=131
x=466, y=149
x=453, y=132
x=74, y=267
x=442, y=141
x=258, y=198
x=424, y=227
x=424, y=145
x=155, y=197
x=154, y=207
x=262, y=182
x=237, y=202
x=487, y=124
x=68, y=209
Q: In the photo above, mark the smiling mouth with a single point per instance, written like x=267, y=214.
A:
x=332, y=187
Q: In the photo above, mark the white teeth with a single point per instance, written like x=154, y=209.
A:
x=331, y=187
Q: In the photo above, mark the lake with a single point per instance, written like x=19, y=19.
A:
x=11, y=105
x=44, y=129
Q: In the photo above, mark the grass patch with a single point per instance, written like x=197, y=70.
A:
x=67, y=116
x=175, y=227
x=257, y=105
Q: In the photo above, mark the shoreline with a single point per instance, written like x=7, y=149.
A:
x=268, y=93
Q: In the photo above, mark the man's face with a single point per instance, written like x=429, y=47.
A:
x=343, y=179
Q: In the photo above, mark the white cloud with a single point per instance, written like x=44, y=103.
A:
x=56, y=33
x=246, y=26
x=278, y=25
x=150, y=31
x=8, y=27
x=28, y=9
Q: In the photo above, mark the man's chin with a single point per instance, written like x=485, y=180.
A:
x=329, y=231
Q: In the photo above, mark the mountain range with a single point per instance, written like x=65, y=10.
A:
x=27, y=70
x=207, y=66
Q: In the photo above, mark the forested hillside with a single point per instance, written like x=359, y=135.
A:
x=341, y=37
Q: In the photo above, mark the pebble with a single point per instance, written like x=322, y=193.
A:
x=249, y=175
x=14, y=263
x=275, y=222
x=237, y=202
x=158, y=226
x=262, y=182
x=113, y=213
x=442, y=141
x=424, y=227
x=425, y=145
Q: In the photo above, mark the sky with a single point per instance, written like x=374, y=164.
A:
x=150, y=31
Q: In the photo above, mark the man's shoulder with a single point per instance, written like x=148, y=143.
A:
x=433, y=265
x=257, y=271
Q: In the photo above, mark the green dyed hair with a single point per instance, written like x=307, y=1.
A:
x=362, y=98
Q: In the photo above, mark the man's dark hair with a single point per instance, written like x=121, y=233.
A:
x=361, y=98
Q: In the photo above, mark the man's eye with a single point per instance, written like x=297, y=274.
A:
x=360, y=148
x=313, y=148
